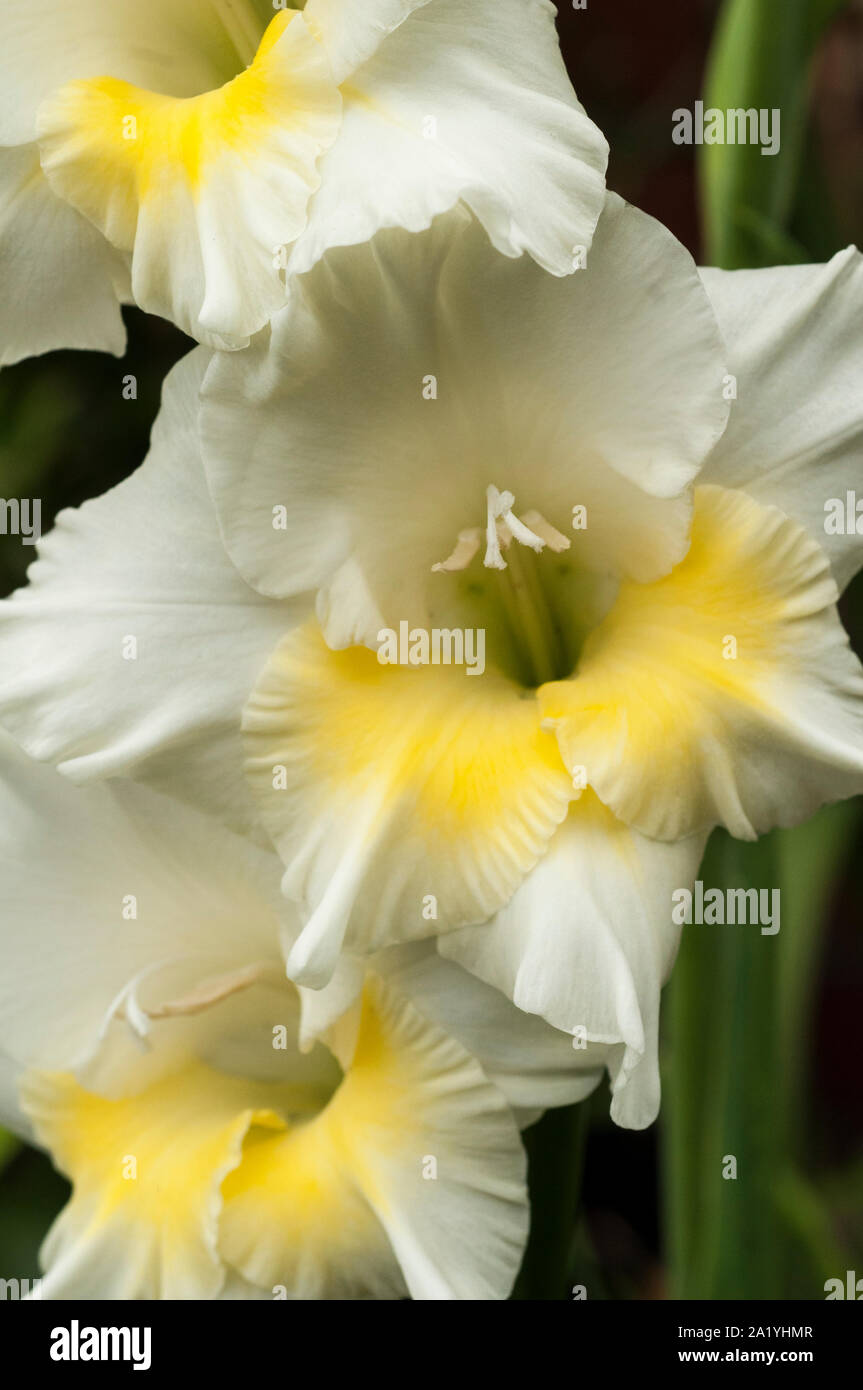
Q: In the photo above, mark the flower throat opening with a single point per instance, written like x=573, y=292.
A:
x=535, y=603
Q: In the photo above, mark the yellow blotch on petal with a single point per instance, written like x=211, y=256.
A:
x=688, y=678
x=207, y=192
x=201, y=1171
x=322, y=1208
x=109, y=145
x=146, y=1171
x=297, y=1209
x=399, y=782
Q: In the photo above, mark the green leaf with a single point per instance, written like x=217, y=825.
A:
x=722, y=1077
x=737, y=1021
x=761, y=58
x=809, y=858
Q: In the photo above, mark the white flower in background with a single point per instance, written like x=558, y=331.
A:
x=422, y=460
x=150, y=1041
x=194, y=169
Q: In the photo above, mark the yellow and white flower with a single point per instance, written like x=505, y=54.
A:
x=152, y=1044
x=472, y=443
x=192, y=157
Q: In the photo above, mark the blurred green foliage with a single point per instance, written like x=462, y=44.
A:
x=740, y=1009
x=758, y=209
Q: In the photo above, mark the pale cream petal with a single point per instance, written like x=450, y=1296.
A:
x=134, y=646
x=381, y=435
x=795, y=437
x=127, y=880
x=587, y=943
x=191, y=46
x=725, y=693
x=205, y=193
x=403, y=801
x=464, y=100
x=415, y=1139
x=59, y=274
x=142, y=1222
x=352, y=30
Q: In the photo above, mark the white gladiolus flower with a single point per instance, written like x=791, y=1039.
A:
x=465, y=443
x=195, y=168
x=150, y=1041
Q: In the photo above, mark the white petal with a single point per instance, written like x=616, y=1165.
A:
x=187, y=50
x=461, y=1234
x=795, y=436
x=66, y=948
x=181, y=1110
x=352, y=30
x=466, y=99
x=145, y=562
x=531, y=1062
x=58, y=272
x=321, y=1009
x=333, y=421
x=587, y=943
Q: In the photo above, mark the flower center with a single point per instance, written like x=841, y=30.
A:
x=538, y=609
x=502, y=527
x=244, y=1024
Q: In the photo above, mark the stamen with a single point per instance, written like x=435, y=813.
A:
x=466, y=547
x=502, y=527
x=553, y=538
x=205, y=995
x=521, y=532
x=127, y=1006
x=502, y=518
